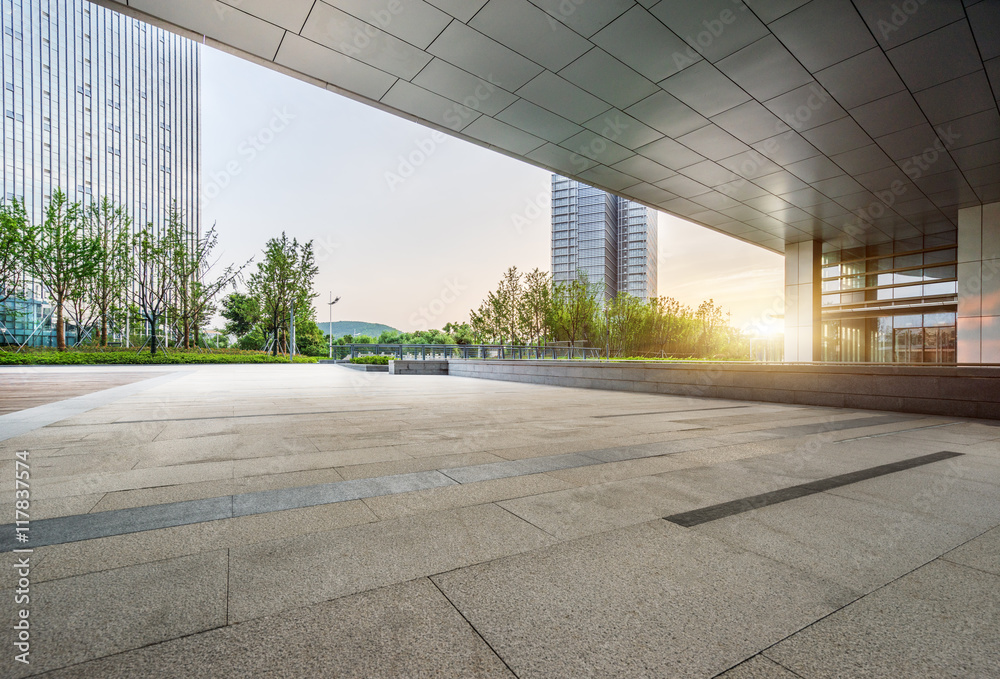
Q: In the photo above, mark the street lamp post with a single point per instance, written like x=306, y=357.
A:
x=330, y=327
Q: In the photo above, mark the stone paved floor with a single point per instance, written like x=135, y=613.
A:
x=317, y=521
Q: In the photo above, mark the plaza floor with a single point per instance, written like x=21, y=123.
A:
x=310, y=520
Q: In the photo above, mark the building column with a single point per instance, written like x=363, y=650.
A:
x=803, y=287
x=979, y=284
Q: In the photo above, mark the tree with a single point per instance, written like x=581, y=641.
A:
x=536, y=305
x=712, y=321
x=309, y=339
x=111, y=226
x=154, y=280
x=242, y=313
x=461, y=333
x=498, y=319
x=14, y=234
x=574, y=308
x=80, y=303
x=670, y=318
x=192, y=265
x=61, y=256
x=283, y=281
x=628, y=325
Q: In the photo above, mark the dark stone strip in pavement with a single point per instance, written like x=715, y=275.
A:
x=650, y=449
x=531, y=465
x=824, y=427
x=118, y=522
x=667, y=412
x=746, y=504
x=78, y=527
x=342, y=491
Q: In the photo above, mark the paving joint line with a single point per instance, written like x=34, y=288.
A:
x=670, y=412
x=898, y=431
x=967, y=566
x=865, y=595
x=473, y=628
x=521, y=518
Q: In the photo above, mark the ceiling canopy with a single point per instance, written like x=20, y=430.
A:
x=774, y=121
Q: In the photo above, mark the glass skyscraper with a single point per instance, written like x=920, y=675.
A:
x=610, y=239
x=97, y=104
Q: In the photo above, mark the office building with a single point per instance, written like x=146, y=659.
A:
x=97, y=104
x=611, y=240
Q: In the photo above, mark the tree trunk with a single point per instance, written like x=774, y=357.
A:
x=60, y=326
x=152, y=336
x=104, y=330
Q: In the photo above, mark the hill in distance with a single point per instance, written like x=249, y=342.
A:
x=341, y=328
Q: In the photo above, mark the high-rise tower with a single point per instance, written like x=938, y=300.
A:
x=97, y=104
x=610, y=239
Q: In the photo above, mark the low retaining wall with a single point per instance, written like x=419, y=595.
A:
x=366, y=367
x=947, y=390
x=418, y=367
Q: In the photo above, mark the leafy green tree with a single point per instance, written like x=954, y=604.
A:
x=241, y=312
x=253, y=340
x=461, y=333
x=575, y=307
x=282, y=281
x=61, y=256
x=499, y=317
x=14, y=234
x=711, y=319
x=80, y=305
x=535, y=305
x=666, y=323
x=309, y=339
x=192, y=265
x=154, y=279
x=628, y=324
x=111, y=226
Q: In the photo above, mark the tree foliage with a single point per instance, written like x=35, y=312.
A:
x=283, y=281
x=61, y=256
x=154, y=278
x=196, y=286
x=531, y=309
x=14, y=234
x=104, y=296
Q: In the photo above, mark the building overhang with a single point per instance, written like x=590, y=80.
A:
x=773, y=121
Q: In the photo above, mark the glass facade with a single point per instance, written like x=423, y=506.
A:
x=894, y=302
x=611, y=239
x=97, y=104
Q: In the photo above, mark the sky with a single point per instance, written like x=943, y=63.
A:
x=411, y=227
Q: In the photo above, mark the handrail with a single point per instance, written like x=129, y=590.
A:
x=466, y=351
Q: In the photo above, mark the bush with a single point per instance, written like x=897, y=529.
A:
x=372, y=360
x=129, y=357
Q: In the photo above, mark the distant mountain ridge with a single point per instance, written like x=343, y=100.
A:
x=341, y=328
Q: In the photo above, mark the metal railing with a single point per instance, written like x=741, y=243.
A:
x=465, y=351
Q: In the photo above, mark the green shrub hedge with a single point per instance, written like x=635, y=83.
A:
x=129, y=357
x=372, y=360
